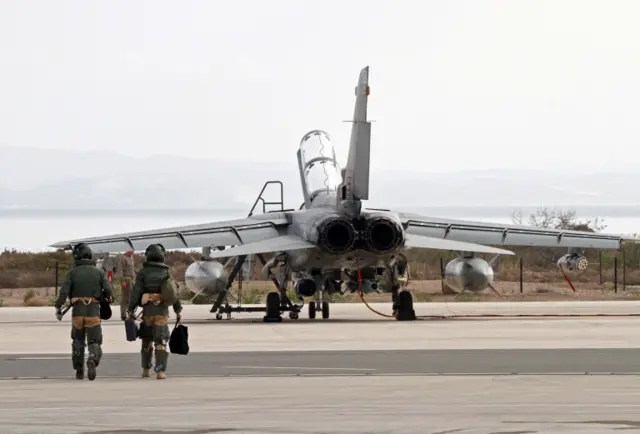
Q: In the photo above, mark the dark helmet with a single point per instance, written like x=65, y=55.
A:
x=155, y=253
x=81, y=251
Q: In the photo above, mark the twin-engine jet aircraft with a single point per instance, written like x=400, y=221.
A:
x=332, y=234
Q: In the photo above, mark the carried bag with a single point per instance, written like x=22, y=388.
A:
x=105, y=309
x=131, y=329
x=179, y=340
x=169, y=292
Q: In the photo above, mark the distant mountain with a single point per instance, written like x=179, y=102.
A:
x=44, y=179
x=33, y=178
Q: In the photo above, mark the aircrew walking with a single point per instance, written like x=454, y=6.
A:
x=85, y=285
x=155, y=290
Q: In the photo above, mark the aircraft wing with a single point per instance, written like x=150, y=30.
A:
x=278, y=244
x=420, y=241
x=507, y=235
x=223, y=233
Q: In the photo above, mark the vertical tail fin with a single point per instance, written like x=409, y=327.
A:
x=356, y=174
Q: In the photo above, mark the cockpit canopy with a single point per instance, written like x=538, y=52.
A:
x=319, y=165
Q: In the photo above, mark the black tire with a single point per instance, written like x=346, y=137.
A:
x=273, y=306
x=405, y=307
x=325, y=310
x=312, y=310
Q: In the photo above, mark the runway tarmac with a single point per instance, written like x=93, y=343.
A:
x=359, y=312
x=299, y=405
x=354, y=373
x=353, y=327
x=402, y=362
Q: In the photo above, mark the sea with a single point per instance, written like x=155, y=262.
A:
x=34, y=230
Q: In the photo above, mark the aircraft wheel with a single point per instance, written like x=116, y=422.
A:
x=312, y=310
x=325, y=310
x=293, y=315
x=218, y=316
x=405, y=307
x=273, y=307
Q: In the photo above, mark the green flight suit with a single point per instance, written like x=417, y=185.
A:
x=85, y=281
x=154, y=328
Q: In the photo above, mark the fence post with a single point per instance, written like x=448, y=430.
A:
x=521, y=276
x=441, y=274
x=240, y=279
x=601, y=278
x=624, y=271
x=57, y=276
x=615, y=274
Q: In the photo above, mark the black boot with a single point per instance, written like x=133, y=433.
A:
x=91, y=367
x=77, y=358
x=162, y=357
x=146, y=355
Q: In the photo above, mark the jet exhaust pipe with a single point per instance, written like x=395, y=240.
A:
x=382, y=235
x=468, y=274
x=206, y=277
x=573, y=261
x=336, y=235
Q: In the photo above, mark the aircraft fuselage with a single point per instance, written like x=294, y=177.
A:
x=344, y=240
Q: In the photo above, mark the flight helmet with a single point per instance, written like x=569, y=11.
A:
x=81, y=251
x=155, y=253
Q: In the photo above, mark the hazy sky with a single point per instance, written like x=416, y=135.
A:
x=454, y=84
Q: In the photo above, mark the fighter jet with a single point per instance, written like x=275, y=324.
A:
x=332, y=235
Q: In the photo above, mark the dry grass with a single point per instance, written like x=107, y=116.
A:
x=33, y=298
x=254, y=292
x=34, y=274
x=33, y=270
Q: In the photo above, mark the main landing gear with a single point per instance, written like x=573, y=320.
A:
x=278, y=302
x=272, y=313
x=401, y=298
x=403, y=305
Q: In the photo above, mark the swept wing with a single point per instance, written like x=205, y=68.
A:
x=223, y=233
x=506, y=235
x=280, y=244
x=423, y=242
x=293, y=242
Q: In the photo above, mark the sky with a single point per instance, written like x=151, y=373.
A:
x=455, y=85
